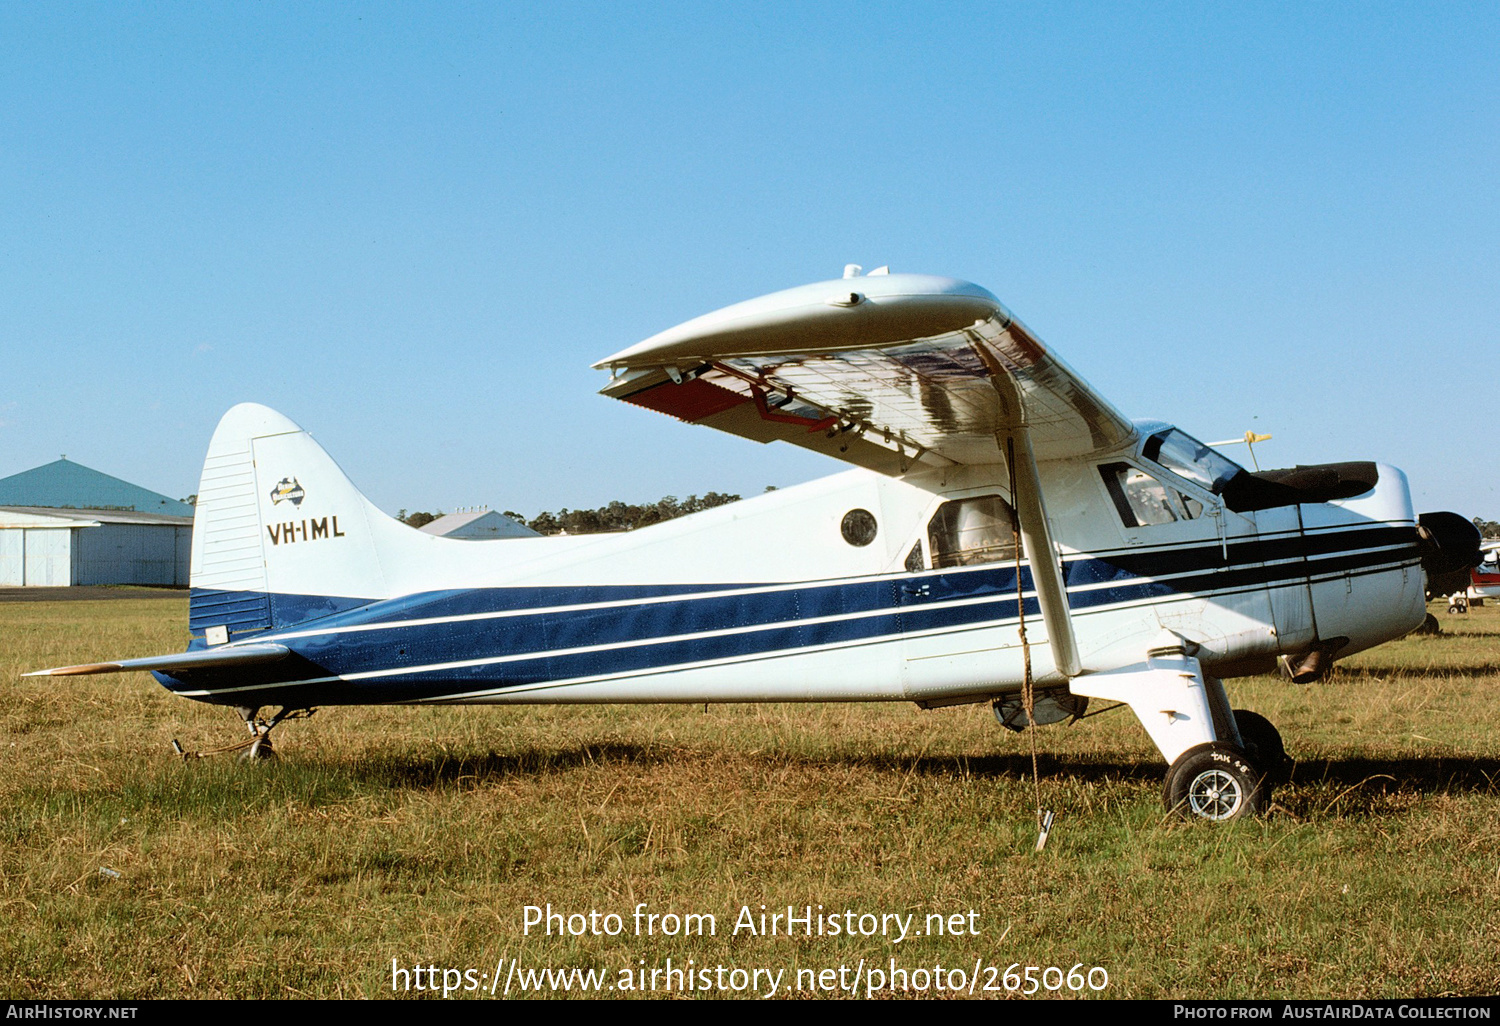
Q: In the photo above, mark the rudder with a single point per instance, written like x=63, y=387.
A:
x=280, y=534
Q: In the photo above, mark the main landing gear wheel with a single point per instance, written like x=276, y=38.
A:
x=1216, y=782
x=1263, y=744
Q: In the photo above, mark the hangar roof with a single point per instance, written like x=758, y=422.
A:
x=68, y=485
x=48, y=516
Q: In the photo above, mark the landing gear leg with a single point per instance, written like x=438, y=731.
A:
x=1211, y=772
x=1232, y=776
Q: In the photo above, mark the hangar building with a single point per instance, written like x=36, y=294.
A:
x=65, y=524
x=71, y=485
x=478, y=525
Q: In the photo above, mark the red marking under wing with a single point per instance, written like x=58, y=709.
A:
x=690, y=401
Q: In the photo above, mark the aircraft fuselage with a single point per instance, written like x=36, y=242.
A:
x=857, y=587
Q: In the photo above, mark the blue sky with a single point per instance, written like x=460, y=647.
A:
x=411, y=228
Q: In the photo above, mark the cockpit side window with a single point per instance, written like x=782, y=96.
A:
x=964, y=532
x=1191, y=460
x=914, y=564
x=1142, y=500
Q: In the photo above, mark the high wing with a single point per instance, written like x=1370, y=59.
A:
x=885, y=371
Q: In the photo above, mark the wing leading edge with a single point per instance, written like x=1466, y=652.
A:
x=882, y=371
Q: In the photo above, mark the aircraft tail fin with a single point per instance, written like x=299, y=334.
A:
x=280, y=536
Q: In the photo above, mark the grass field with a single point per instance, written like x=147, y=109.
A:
x=421, y=834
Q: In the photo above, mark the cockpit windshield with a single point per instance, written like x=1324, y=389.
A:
x=1189, y=458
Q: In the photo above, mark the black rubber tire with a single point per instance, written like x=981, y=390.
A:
x=1215, y=782
x=1430, y=625
x=1263, y=745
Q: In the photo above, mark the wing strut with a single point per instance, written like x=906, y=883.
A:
x=1036, y=535
x=1036, y=538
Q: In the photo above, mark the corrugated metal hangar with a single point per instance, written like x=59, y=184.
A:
x=42, y=547
x=64, y=524
x=479, y=525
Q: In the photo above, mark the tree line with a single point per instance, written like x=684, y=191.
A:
x=620, y=516
x=617, y=516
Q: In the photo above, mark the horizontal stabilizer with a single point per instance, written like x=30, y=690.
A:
x=200, y=659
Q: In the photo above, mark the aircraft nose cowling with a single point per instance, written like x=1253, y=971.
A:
x=1450, y=549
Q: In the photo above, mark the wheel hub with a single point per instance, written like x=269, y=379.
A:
x=1214, y=794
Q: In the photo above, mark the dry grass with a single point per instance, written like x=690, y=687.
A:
x=420, y=834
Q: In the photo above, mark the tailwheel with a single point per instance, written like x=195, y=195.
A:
x=1263, y=745
x=260, y=750
x=1216, y=782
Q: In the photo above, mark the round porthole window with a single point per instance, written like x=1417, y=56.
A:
x=858, y=527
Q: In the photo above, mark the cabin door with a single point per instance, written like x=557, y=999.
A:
x=958, y=604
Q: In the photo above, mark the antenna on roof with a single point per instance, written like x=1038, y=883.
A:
x=1249, y=440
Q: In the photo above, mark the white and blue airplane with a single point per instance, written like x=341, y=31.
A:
x=1005, y=536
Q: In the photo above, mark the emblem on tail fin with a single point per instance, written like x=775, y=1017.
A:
x=289, y=490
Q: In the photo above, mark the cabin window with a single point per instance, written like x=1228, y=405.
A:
x=964, y=532
x=1143, y=501
x=859, y=527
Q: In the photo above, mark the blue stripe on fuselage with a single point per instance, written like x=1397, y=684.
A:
x=640, y=627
